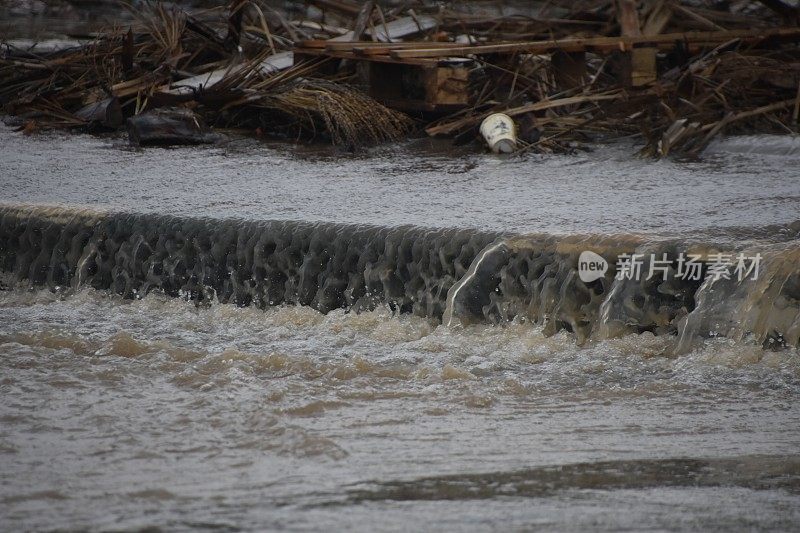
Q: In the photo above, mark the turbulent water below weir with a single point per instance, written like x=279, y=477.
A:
x=120, y=414
x=244, y=338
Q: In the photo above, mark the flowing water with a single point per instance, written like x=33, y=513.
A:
x=255, y=337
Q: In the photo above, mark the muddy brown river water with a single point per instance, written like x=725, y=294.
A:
x=130, y=400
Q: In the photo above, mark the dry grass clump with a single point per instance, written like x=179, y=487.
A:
x=347, y=115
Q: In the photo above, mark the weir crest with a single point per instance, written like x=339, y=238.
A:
x=453, y=275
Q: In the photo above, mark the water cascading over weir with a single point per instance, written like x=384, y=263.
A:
x=457, y=276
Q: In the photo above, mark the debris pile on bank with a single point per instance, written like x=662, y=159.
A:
x=674, y=73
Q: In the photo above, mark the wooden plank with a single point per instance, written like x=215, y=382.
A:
x=362, y=19
x=411, y=106
x=638, y=66
x=131, y=87
x=448, y=86
x=316, y=26
x=382, y=51
x=385, y=49
x=314, y=43
x=351, y=45
x=451, y=127
x=347, y=54
x=657, y=18
x=604, y=44
x=642, y=67
x=714, y=128
x=628, y=18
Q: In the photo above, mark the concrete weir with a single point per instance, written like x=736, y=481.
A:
x=453, y=275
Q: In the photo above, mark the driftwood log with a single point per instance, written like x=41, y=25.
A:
x=105, y=113
x=168, y=126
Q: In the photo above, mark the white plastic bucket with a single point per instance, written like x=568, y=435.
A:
x=500, y=133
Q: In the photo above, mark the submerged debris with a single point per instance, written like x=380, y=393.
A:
x=673, y=73
x=167, y=126
x=500, y=134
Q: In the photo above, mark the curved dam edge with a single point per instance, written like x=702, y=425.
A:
x=453, y=275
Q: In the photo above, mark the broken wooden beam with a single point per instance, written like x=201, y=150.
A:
x=628, y=18
x=637, y=66
x=606, y=44
x=304, y=53
x=364, y=14
x=451, y=127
